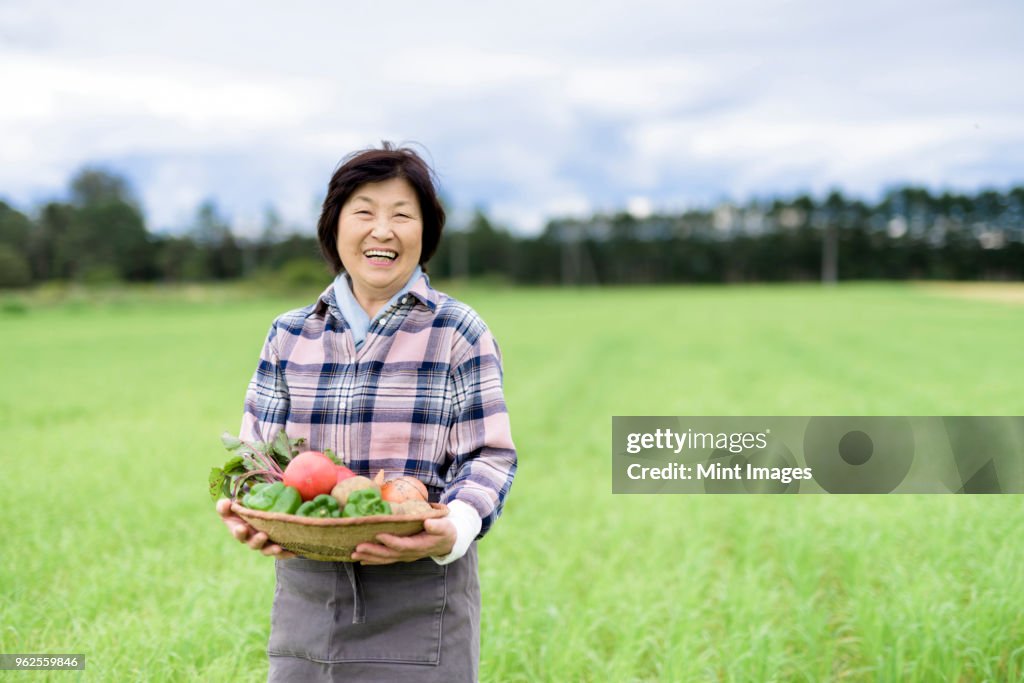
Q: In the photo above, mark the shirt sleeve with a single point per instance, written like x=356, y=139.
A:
x=266, y=399
x=480, y=439
x=467, y=525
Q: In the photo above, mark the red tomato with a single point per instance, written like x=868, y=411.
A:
x=344, y=473
x=312, y=473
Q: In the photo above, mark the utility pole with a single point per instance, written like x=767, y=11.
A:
x=569, y=237
x=829, y=253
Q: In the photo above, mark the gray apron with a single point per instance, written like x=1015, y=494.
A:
x=408, y=621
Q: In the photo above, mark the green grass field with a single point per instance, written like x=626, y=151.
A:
x=111, y=413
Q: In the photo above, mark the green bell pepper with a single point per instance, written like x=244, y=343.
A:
x=365, y=502
x=274, y=497
x=260, y=497
x=288, y=501
x=321, y=506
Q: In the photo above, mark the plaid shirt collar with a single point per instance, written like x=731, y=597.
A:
x=421, y=291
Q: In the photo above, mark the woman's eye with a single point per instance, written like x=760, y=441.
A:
x=362, y=211
x=402, y=215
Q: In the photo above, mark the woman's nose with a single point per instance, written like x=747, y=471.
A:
x=381, y=229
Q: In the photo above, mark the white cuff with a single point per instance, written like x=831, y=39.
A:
x=467, y=525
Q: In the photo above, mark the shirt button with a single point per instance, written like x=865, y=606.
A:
x=384, y=320
x=404, y=299
x=341, y=405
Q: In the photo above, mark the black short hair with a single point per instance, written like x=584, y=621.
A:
x=373, y=166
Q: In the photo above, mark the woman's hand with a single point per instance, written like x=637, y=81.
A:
x=436, y=540
x=246, y=534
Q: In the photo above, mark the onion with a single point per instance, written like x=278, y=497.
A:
x=403, y=489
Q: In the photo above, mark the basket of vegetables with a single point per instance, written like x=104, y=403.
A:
x=311, y=504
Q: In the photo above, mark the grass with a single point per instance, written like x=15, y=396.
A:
x=111, y=410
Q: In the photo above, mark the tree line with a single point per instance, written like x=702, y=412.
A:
x=99, y=234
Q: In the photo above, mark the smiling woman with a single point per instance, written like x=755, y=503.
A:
x=392, y=375
x=380, y=240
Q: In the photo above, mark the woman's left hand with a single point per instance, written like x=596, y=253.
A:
x=436, y=540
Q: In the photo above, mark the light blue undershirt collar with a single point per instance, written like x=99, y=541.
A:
x=354, y=314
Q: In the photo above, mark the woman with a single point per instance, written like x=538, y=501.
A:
x=394, y=375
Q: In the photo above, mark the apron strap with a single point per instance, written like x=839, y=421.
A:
x=358, y=607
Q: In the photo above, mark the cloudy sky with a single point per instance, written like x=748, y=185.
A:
x=530, y=109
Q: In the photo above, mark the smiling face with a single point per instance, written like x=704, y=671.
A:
x=380, y=236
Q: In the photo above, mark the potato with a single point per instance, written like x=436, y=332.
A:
x=342, y=491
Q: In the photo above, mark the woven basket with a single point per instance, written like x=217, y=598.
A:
x=332, y=540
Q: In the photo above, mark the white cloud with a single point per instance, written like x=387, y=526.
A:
x=175, y=105
x=640, y=207
x=531, y=218
x=172, y=193
x=531, y=109
x=644, y=88
x=194, y=94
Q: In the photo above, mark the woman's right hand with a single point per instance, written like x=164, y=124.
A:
x=257, y=540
